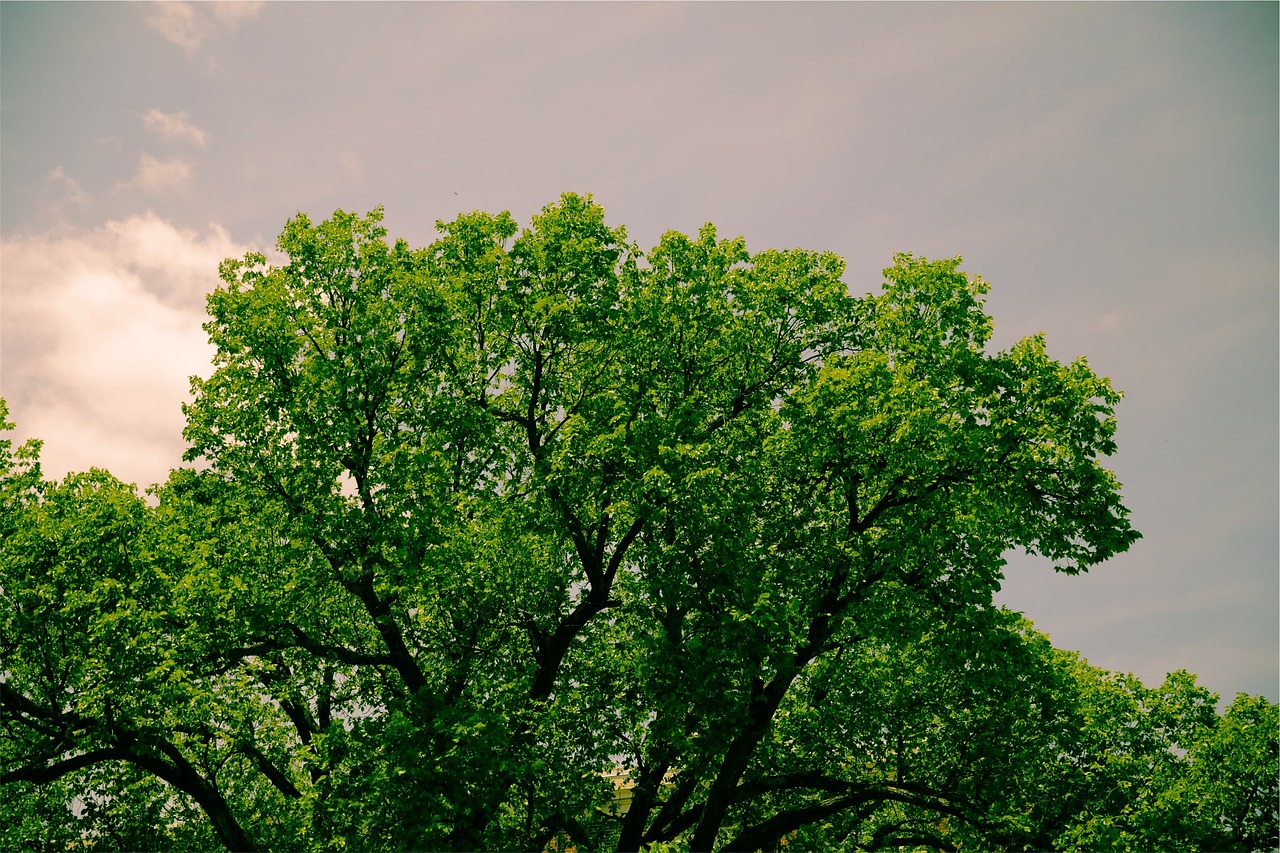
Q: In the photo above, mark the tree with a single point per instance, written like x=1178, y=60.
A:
x=481, y=527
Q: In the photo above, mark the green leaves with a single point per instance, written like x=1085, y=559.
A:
x=485, y=529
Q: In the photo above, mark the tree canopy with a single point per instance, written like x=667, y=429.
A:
x=530, y=539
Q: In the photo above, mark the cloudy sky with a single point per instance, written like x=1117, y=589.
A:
x=1111, y=169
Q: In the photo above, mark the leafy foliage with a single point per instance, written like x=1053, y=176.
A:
x=530, y=538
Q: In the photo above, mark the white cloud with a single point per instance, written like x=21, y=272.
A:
x=174, y=125
x=157, y=176
x=179, y=23
x=101, y=330
x=69, y=190
x=232, y=12
x=188, y=25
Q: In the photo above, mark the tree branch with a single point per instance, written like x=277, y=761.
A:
x=45, y=773
x=273, y=773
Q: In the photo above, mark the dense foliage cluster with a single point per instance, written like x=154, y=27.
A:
x=532, y=540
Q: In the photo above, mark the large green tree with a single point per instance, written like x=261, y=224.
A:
x=529, y=537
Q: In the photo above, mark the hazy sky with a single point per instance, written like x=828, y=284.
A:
x=1110, y=168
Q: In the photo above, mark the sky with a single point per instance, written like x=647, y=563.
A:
x=1111, y=169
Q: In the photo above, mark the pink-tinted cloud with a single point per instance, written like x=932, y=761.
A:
x=159, y=176
x=101, y=332
x=189, y=25
x=176, y=126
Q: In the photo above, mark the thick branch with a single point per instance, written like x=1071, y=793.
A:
x=299, y=715
x=380, y=611
x=177, y=771
x=282, y=782
x=551, y=654
x=42, y=774
x=763, y=705
x=643, y=797
x=767, y=834
x=552, y=651
x=620, y=550
x=849, y=795
x=341, y=654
